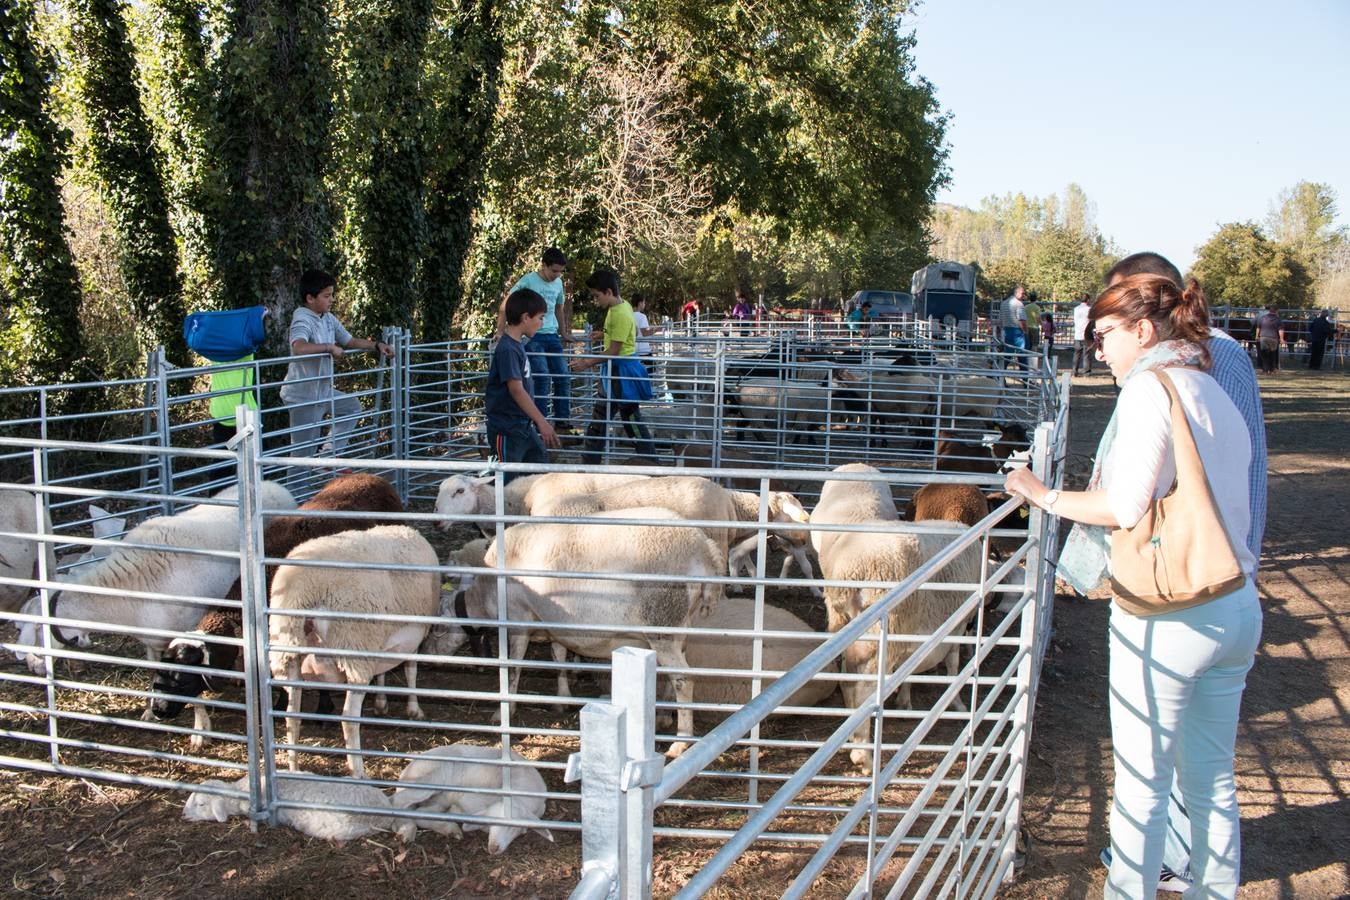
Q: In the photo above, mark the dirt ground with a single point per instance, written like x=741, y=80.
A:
x=81, y=838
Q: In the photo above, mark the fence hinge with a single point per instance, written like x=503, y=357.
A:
x=640, y=773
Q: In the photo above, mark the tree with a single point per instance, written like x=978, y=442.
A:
x=122, y=157
x=275, y=105
x=39, y=286
x=1303, y=219
x=1240, y=266
x=1064, y=263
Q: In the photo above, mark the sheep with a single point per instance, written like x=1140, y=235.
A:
x=327, y=824
x=18, y=555
x=356, y=492
x=691, y=496
x=782, y=507
x=713, y=648
x=888, y=558
x=161, y=569
x=957, y=454
x=845, y=502
x=497, y=791
x=468, y=495
x=800, y=407
x=963, y=503
x=376, y=592
x=620, y=606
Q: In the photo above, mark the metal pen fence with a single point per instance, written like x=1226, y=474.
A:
x=414, y=428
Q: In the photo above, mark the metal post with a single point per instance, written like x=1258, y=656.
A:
x=603, y=808
x=719, y=399
x=247, y=443
x=161, y=387
x=40, y=505
x=634, y=688
x=1021, y=718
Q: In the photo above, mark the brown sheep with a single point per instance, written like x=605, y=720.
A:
x=963, y=503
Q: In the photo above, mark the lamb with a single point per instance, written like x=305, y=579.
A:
x=782, y=507
x=621, y=606
x=18, y=555
x=952, y=502
x=467, y=495
x=445, y=770
x=713, y=648
x=165, y=569
x=957, y=454
x=888, y=558
x=356, y=492
x=375, y=592
x=690, y=496
x=327, y=824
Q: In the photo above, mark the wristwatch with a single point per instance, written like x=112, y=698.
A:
x=1049, y=500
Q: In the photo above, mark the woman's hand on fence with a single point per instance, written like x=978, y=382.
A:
x=1026, y=485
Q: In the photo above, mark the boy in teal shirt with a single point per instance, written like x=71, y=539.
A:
x=620, y=341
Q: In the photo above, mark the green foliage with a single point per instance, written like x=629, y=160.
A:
x=1304, y=219
x=275, y=104
x=1240, y=266
x=378, y=157
x=39, y=287
x=122, y=157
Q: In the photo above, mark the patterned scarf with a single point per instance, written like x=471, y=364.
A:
x=1087, y=552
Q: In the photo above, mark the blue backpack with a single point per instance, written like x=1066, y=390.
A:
x=225, y=335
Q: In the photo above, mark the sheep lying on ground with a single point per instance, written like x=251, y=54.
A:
x=327, y=824
x=713, y=648
x=887, y=558
x=963, y=503
x=357, y=492
x=622, y=608
x=445, y=771
x=162, y=570
x=475, y=495
x=19, y=556
x=690, y=496
x=376, y=593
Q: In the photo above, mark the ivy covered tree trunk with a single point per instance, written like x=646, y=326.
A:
x=276, y=108
x=182, y=106
x=463, y=73
x=123, y=158
x=39, y=286
x=384, y=235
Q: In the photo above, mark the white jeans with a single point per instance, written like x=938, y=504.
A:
x=1176, y=685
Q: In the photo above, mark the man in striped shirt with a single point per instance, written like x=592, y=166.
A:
x=1232, y=369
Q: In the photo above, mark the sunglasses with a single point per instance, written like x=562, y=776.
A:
x=1101, y=333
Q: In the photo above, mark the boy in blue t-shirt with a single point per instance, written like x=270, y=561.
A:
x=512, y=417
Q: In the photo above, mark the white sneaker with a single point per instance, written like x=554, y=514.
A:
x=1167, y=881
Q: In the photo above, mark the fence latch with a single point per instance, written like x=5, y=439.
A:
x=640, y=773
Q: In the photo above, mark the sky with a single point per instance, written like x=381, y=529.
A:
x=1174, y=117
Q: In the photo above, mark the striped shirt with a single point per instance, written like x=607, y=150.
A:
x=1233, y=371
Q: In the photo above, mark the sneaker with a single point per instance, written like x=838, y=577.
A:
x=1167, y=881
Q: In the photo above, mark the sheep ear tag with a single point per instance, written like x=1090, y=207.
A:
x=795, y=512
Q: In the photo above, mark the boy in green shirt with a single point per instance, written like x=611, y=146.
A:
x=620, y=342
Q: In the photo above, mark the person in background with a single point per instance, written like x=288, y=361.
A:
x=620, y=341
x=690, y=310
x=1269, y=336
x=1232, y=369
x=1177, y=672
x=552, y=379
x=740, y=311
x=1319, y=329
x=1033, y=320
x=643, y=347
x=1082, y=344
x=516, y=430
x=1013, y=322
x=1048, y=333
x=308, y=387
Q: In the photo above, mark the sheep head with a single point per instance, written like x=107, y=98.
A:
x=464, y=495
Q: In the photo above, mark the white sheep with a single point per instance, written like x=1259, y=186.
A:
x=799, y=407
x=328, y=824
x=475, y=495
x=18, y=555
x=887, y=558
x=782, y=507
x=691, y=496
x=848, y=502
x=711, y=647
x=375, y=592
x=160, y=568
x=446, y=772
x=619, y=608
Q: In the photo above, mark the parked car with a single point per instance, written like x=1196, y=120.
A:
x=885, y=304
